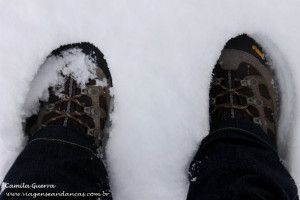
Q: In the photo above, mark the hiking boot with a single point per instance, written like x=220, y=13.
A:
x=84, y=108
x=242, y=86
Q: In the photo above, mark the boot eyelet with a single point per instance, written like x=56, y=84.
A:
x=87, y=110
x=258, y=102
x=256, y=120
x=250, y=101
x=244, y=83
x=263, y=122
x=92, y=111
x=259, y=121
x=90, y=132
x=252, y=81
x=95, y=112
x=93, y=91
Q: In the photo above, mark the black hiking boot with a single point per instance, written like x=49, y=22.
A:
x=84, y=109
x=242, y=86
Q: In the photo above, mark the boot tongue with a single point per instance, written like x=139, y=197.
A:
x=69, y=91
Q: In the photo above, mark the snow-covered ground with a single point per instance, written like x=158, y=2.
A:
x=161, y=54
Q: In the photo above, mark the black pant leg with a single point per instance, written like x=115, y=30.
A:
x=59, y=156
x=238, y=161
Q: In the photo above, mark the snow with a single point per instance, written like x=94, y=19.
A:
x=161, y=54
x=51, y=74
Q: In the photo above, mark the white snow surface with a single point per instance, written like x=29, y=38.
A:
x=161, y=54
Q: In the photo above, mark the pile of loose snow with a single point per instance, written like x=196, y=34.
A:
x=161, y=54
x=72, y=63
